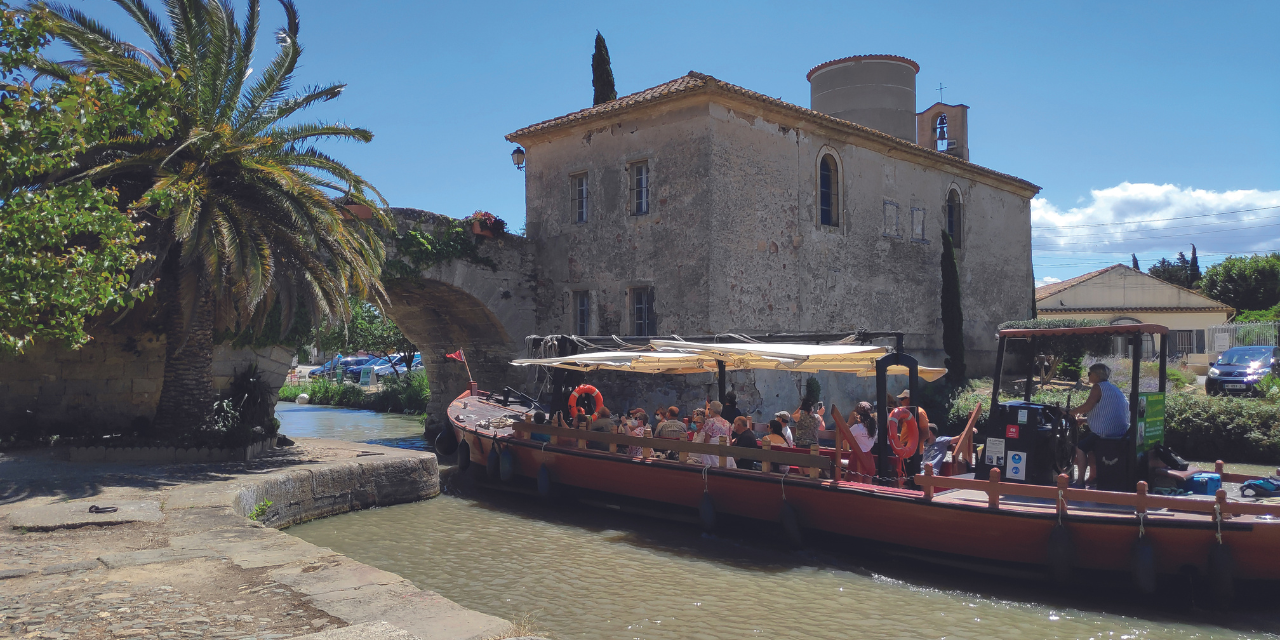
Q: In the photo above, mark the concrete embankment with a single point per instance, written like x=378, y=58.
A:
x=179, y=557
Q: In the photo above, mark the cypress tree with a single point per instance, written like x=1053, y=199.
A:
x=952, y=315
x=1135, y=262
x=1194, y=274
x=602, y=73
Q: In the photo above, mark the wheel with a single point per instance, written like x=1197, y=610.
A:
x=1066, y=434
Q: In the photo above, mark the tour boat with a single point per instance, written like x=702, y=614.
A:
x=1052, y=529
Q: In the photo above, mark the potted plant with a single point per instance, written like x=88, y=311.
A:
x=486, y=224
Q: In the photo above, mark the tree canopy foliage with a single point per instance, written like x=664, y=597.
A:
x=243, y=207
x=602, y=73
x=369, y=329
x=1055, y=350
x=67, y=247
x=1244, y=282
x=1181, y=271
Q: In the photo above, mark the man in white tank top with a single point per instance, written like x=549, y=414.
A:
x=1108, y=411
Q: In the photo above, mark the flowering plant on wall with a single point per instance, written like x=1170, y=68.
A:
x=485, y=221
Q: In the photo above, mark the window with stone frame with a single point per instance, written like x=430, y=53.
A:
x=643, y=320
x=891, y=228
x=917, y=224
x=638, y=178
x=955, y=218
x=582, y=313
x=829, y=191
x=581, y=196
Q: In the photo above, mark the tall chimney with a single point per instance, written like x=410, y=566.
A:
x=876, y=91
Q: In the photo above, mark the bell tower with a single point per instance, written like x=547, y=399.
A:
x=944, y=128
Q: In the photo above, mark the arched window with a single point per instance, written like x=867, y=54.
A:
x=955, y=216
x=829, y=191
x=940, y=132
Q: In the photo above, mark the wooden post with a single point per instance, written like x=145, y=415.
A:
x=684, y=456
x=646, y=452
x=928, y=473
x=765, y=465
x=838, y=472
x=582, y=444
x=1141, y=502
x=1221, y=498
x=813, y=471
x=724, y=441
x=993, y=489
x=1217, y=467
x=1064, y=482
x=613, y=447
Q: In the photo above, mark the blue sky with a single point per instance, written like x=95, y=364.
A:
x=1132, y=112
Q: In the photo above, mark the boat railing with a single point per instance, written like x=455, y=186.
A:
x=814, y=462
x=1063, y=495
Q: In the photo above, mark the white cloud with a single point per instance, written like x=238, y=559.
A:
x=1159, y=218
x=1047, y=280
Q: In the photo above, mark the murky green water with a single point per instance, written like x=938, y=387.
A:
x=589, y=573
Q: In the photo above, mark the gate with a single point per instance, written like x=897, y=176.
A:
x=1221, y=337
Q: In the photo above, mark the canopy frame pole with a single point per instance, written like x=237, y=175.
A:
x=882, y=404
x=1031, y=371
x=865, y=337
x=720, y=379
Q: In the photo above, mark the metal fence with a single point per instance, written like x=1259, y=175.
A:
x=1221, y=337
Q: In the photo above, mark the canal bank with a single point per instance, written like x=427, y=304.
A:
x=180, y=557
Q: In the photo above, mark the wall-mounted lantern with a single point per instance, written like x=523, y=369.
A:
x=517, y=157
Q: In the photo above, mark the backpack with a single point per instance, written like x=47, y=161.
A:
x=1260, y=488
x=1169, y=458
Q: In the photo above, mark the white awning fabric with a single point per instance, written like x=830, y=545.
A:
x=676, y=357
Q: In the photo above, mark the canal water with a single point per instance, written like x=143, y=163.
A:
x=580, y=572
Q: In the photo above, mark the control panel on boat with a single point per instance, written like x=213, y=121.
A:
x=1029, y=442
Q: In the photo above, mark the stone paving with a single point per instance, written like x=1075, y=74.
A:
x=199, y=570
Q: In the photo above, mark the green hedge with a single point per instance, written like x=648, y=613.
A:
x=406, y=394
x=1223, y=428
x=1197, y=427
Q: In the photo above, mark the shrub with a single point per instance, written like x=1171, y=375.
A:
x=1223, y=428
x=812, y=389
x=290, y=393
x=407, y=393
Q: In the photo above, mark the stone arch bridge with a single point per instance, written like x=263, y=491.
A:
x=483, y=306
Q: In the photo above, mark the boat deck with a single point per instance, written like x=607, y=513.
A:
x=478, y=414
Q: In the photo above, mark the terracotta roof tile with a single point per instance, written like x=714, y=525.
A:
x=1047, y=290
x=695, y=82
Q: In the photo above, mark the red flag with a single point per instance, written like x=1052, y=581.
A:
x=456, y=355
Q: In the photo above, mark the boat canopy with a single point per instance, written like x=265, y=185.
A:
x=678, y=357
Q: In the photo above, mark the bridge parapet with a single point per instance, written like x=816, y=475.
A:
x=482, y=303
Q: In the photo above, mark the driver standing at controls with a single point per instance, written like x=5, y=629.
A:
x=1108, y=413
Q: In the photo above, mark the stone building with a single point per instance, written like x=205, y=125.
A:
x=698, y=206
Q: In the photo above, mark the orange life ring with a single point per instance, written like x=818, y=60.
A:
x=591, y=391
x=904, y=432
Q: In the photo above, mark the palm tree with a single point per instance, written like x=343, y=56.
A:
x=245, y=213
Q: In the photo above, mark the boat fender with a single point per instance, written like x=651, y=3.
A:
x=791, y=525
x=1144, y=565
x=507, y=464
x=1062, y=555
x=544, y=482
x=464, y=455
x=492, y=463
x=1221, y=575
x=446, y=442
x=707, y=512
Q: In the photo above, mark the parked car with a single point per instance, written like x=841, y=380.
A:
x=326, y=368
x=386, y=369
x=352, y=364
x=1238, y=369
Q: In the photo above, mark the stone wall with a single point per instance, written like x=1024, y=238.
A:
x=112, y=382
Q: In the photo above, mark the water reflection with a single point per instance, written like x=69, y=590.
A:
x=593, y=573
x=390, y=429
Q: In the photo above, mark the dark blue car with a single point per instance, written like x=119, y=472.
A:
x=1238, y=369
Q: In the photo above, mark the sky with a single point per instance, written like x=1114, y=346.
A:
x=1149, y=125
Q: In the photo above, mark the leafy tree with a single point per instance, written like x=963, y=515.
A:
x=602, y=73
x=369, y=329
x=1194, y=268
x=952, y=314
x=1246, y=283
x=66, y=247
x=240, y=205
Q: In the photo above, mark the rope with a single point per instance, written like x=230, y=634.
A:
x=1217, y=516
x=784, y=482
x=1062, y=503
x=705, y=486
x=1142, y=529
